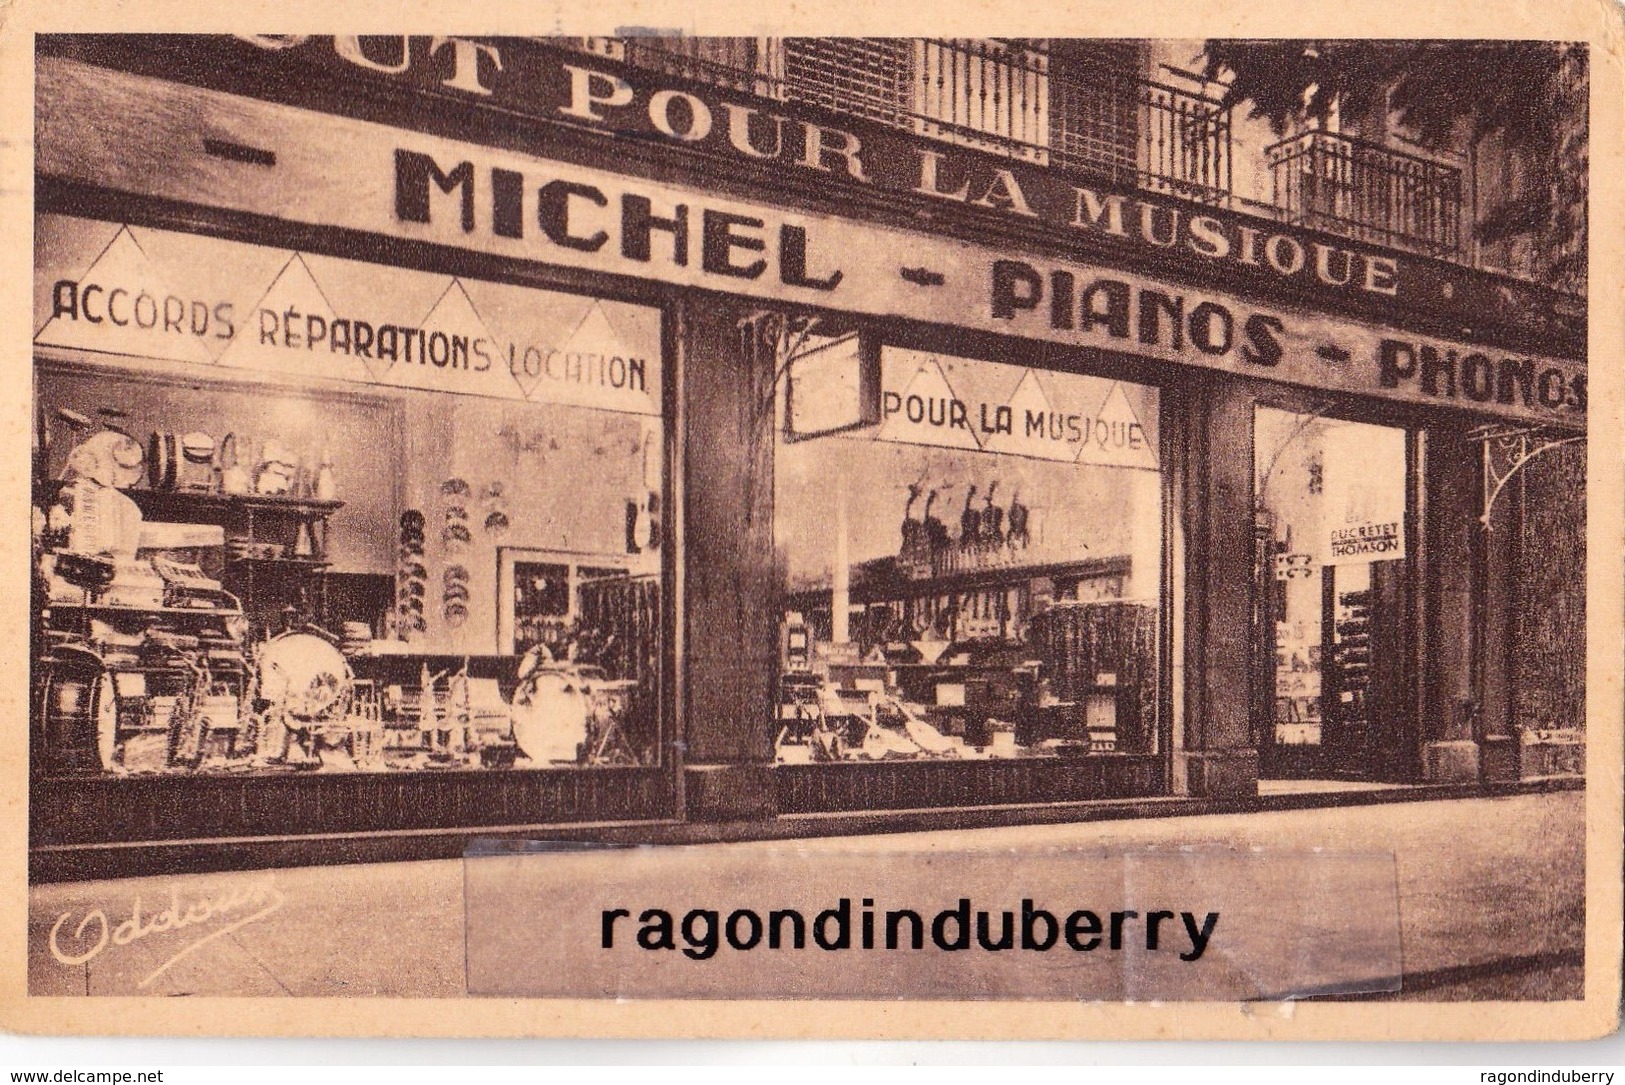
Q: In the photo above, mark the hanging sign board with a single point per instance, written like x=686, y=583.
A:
x=832, y=386
x=105, y=125
x=583, y=84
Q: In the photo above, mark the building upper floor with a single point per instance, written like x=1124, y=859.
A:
x=1113, y=153
x=1135, y=114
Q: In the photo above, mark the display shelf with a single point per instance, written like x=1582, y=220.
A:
x=125, y=608
x=279, y=502
x=104, y=664
x=882, y=580
x=436, y=661
x=282, y=562
x=190, y=502
x=266, y=586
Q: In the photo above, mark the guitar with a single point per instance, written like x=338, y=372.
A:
x=913, y=530
x=643, y=514
x=970, y=523
x=1018, y=537
x=992, y=520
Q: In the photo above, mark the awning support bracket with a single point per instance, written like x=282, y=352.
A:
x=1506, y=452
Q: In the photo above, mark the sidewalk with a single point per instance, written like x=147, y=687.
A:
x=1491, y=902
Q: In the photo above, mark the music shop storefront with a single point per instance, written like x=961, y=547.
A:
x=445, y=437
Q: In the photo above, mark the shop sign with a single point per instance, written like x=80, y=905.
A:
x=424, y=188
x=1029, y=412
x=586, y=91
x=156, y=295
x=722, y=126
x=1364, y=488
x=832, y=387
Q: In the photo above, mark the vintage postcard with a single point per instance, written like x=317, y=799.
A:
x=672, y=522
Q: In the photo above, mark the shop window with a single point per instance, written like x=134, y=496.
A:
x=1332, y=523
x=296, y=513
x=970, y=555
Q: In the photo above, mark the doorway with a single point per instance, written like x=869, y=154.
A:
x=1333, y=629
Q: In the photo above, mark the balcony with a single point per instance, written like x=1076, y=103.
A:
x=1367, y=191
x=1081, y=110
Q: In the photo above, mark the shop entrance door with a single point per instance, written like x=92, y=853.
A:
x=1332, y=637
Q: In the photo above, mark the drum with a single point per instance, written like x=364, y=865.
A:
x=162, y=453
x=177, y=461
x=79, y=720
x=194, y=463
x=305, y=677
x=550, y=716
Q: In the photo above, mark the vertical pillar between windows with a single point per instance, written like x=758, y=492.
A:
x=1448, y=709
x=730, y=624
x=1216, y=758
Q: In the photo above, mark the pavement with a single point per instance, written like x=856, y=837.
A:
x=1489, y=895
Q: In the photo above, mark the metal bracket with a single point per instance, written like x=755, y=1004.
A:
x=785, y=335
x=1507, y=450
x=783, y=332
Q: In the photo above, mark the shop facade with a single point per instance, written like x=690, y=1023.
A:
x=446, y=436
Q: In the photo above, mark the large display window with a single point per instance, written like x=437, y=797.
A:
x=971, y=556
x=295, y=513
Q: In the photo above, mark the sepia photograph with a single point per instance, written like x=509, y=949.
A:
x=662, y=523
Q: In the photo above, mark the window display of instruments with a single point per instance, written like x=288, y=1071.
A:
x=570, y=714
x=1085, y=684
x=142, y=667
x=299, y=707
x=147, y=668
x=191, y=616
x=158, y=701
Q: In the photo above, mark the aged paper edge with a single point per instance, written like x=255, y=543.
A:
x=1596, y=21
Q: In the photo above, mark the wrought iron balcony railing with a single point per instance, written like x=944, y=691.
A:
x=1079, y=108
x=1368, y=191
x=1015, y=98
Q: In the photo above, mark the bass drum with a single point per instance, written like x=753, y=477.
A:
x=305, y=676
x=550, y=717
x=79, y=721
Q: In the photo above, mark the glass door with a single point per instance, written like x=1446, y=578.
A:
x=1332, y=639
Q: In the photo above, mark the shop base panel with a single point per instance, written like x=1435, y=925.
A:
x=899, y=785
x=111, y=810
